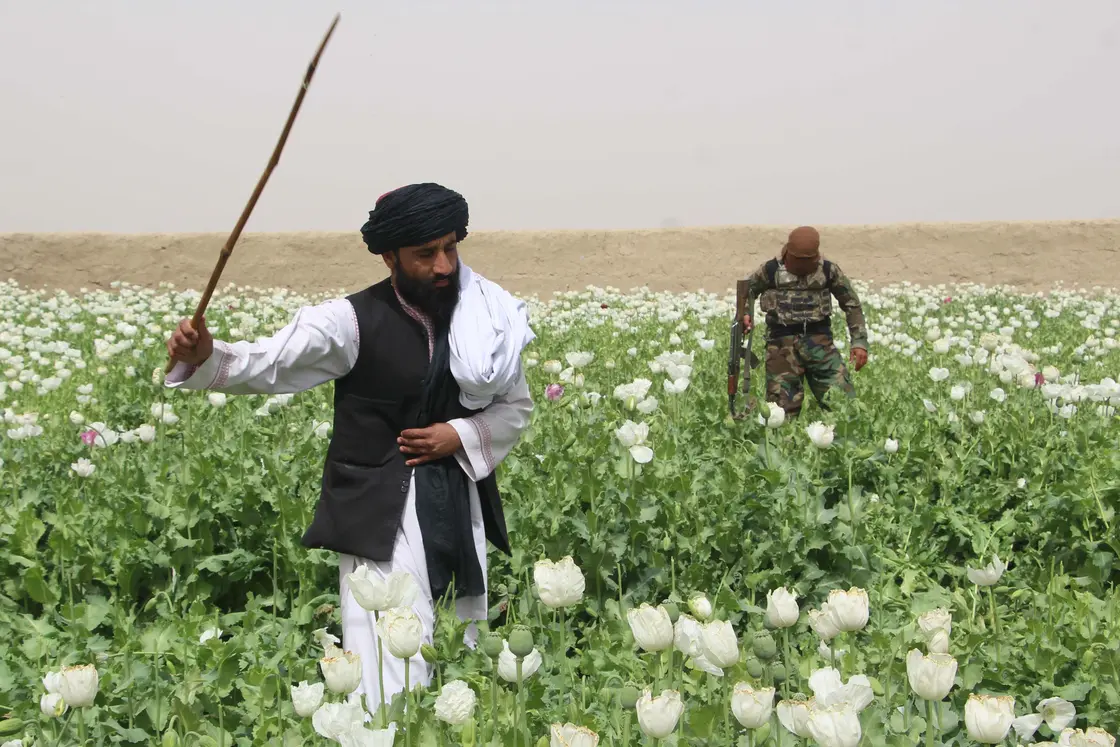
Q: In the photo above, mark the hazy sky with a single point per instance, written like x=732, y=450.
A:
x=159, y=115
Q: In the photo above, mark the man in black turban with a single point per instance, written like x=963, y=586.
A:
x=417, y=229
x=408, y=497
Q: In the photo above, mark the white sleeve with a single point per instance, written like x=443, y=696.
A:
x=320, y=344
x=489, y=436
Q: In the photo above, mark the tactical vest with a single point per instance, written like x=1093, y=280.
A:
x=794, y=301
x=365, y=480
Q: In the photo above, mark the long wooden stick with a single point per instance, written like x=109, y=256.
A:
x=227, y=250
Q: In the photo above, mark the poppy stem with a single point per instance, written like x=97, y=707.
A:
x=517, y=711
x=384, y=715
x=789, y=662
x=995, y=621
x=407, y=708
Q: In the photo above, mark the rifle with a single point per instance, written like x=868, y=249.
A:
x=740, y=351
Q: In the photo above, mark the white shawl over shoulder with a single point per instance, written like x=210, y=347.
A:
x=488, y=331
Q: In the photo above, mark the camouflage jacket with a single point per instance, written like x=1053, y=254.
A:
x=786, y=298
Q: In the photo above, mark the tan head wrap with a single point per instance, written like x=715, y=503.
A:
x=802, y=251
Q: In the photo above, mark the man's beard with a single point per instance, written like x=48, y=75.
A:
x=438, y=303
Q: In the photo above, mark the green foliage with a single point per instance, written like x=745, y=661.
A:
x=200, y=528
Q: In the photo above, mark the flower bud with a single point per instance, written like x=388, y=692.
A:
x=543, y=742
x=701, y=607
x=521, y=641
x=429, y=654
x=170, y=739
x=629, y=695
x=492, y=645
x=755, y=668
x=778, y=672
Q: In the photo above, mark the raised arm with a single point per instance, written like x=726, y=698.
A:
x=489, y=436
x=320, y=344
x=846, y=296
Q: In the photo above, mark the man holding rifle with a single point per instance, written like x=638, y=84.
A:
x=796, y=292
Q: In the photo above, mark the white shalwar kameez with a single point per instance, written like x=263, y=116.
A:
x=319, y=345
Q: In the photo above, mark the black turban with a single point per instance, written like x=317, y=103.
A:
x=413, y=216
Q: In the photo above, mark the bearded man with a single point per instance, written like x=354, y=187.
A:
x=429, y=397
x=795, y=293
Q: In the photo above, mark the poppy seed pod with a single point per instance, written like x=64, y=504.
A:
x=520, y=641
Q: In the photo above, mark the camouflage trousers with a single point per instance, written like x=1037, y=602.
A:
x=815, y=358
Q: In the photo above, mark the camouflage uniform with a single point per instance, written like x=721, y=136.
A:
x=799, y=337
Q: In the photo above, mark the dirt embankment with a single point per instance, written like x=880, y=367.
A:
x=1028, y=255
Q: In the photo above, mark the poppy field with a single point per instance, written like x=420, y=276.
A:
x=932, y=562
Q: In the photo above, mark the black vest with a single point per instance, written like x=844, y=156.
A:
x=365, y=480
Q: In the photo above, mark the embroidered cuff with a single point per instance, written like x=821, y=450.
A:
x=476, y=457
x=206, y=376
